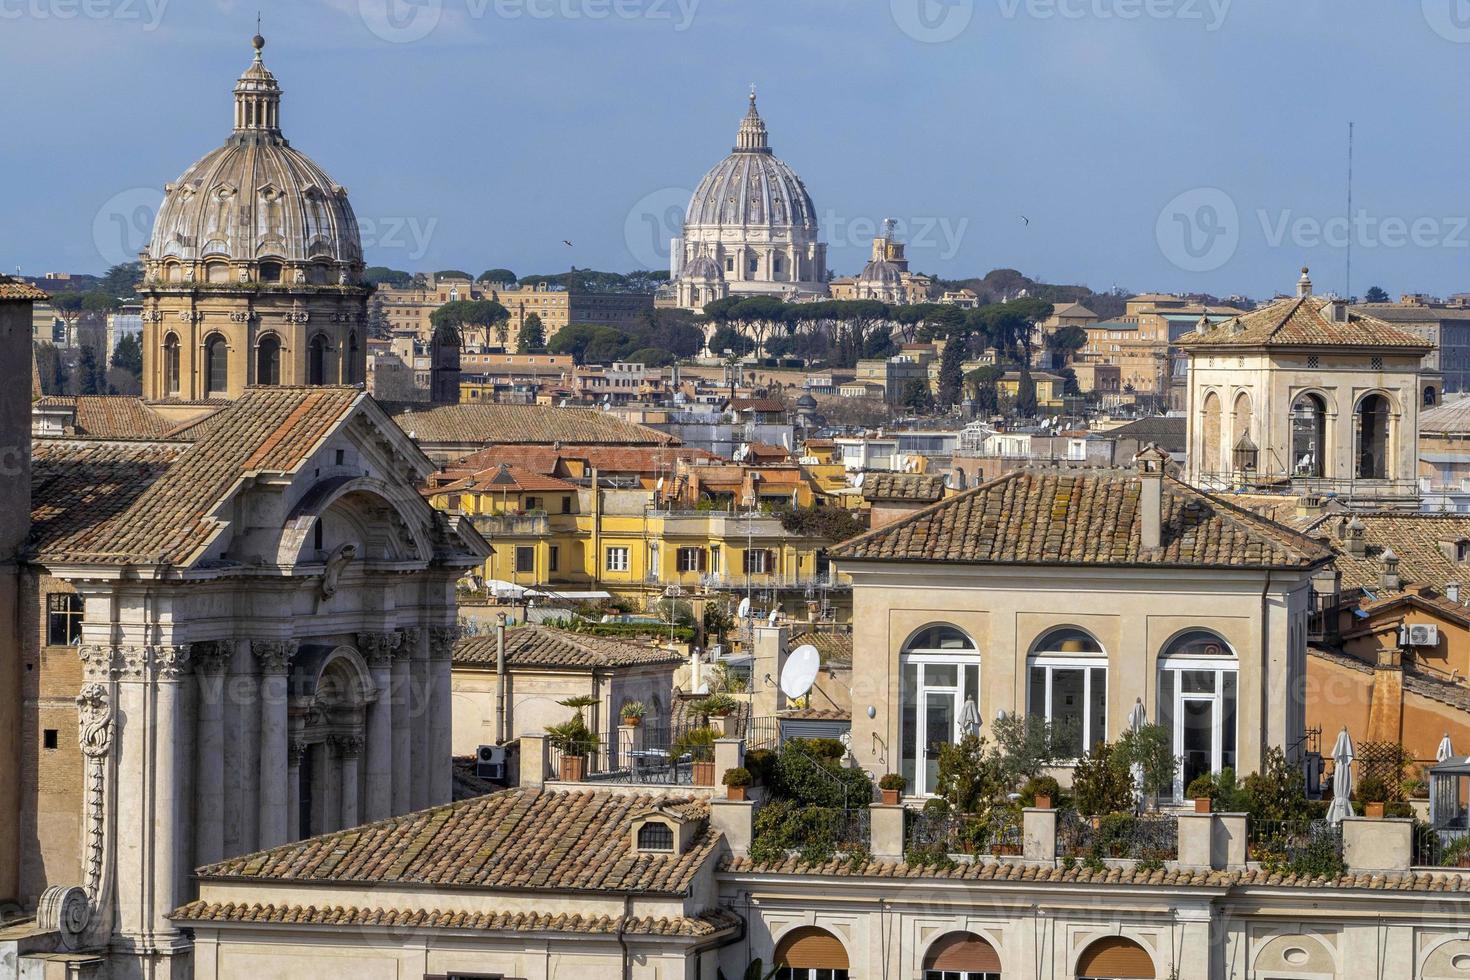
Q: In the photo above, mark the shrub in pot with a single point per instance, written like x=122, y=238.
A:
x=632, y=712
x=737, y=781
x=892, y=785
x=1041, y=791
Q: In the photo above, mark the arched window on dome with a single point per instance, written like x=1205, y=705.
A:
x=1308, y=435
x=353, y=353
x=1373, y=425
x=171, y=364
x=216, y=366
x=316, y=361
x=268, y=361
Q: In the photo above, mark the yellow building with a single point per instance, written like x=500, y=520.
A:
x=1049, y=388
x=552, y=534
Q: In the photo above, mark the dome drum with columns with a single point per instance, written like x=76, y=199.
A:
x=750, y=228
x=253, y=274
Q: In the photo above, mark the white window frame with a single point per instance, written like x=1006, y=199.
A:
x=1219, y=666
x=617, y=558
x=1085, y=662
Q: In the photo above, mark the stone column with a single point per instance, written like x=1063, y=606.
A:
x=210, y=662
x=378, y=649
x=349, y=751
x=402, y=751
x=441, y=731
x=134, y=834
x=173, y=744
x=294, y=756
x=419, y=718
x=329, y=803
x=274, y=657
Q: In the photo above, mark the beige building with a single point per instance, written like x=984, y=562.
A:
x=1073, y=596
x=1306, y=393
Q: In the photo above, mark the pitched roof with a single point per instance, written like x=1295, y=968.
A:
x=1165, y=431
x=712, y=922
x=124, y=503
x=607, y=459
x=544, y=646
x=516, y=840
x=1299, y=321
x=20, y=291
x=834, y=647
x=916, y=487
x=111, y=416
x=1083, y=517
x=506, y=478
x=1449, y=418
x=1448, y=881
x=496, y=423
x=1414, y=538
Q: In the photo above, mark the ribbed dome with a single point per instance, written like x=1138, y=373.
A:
x=256, y=199
x=881, y=271
x=704, y=267
x=752, y=186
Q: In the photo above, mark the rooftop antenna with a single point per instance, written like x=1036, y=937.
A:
x=1348, y=285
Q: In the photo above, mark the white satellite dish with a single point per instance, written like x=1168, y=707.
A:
x=800, y=672
x=857, y=481
x=743, y=610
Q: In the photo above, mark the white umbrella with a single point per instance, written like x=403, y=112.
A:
x=969, y=718
x=1342, y=778
x=1445, y=751
x=1137, y=718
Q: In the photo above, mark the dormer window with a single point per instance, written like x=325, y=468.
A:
x=656, y=837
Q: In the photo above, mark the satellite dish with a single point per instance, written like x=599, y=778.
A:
x=800, y=671
x=857, y=481
x=743, y=610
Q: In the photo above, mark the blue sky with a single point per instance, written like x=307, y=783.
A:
x=1151, y=144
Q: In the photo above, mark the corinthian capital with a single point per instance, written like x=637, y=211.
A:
x=169, y=663
x=97, y=661
x=274, y=656
x=441, y=642
x=410, y=644
x=133, y=661
x=212, y=656
x=378, y=648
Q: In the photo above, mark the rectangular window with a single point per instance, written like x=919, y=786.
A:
x=757, y=562
x=525, y=559
x=617, y=559
x=553, y=557
x=64, y=619
x=533, y=503
x=566, y=505
x=1073, y=697
x=50, y=738
x=691, y=559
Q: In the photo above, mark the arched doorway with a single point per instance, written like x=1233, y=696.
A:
x=1067, y=685
x=1210, y=455
x=809, y=953
x=1115, y=958
x=268, y=361
x=1308, y=436
x=1373, y=438
x=961, y=956
x=316, y=361
x=1241, y=418
x=1198, y=697
x=940, y=671
x=216, y=366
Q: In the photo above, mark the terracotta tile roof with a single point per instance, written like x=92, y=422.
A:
x=835, y=648
x=124, y=503
x=19, y=290
x=1450, y=418
x=548, y=460
x=1083, y=517
x=1298, y=321
x=111, y=416
x=817, y=714
x=1416, y=681
x=485, y=424
x=1167, y=877
x=1166, y=432
x=913, y=487
x=467, y=782
x=1414, y=538
x=517, y=840
x=506, y=478
x=711, y=923
x=757, y=405
x=544, y=646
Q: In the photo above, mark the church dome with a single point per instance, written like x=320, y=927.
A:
x=881, y=271
x=257, y=204
x=752, y=186
x=704, y=267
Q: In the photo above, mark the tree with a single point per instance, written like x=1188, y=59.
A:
x=451, y=274
x=91, y=377
x=915, y=396
x=652, y=357
x=122, y=279
x=532, y=339
x=1066, y=341
x=52, y=369
x=128, y=355
x=1376, y=294
x=1026, y=394
x=728, y=338
x=951, y=371
x=504, y=276
x=466, y=315
x=377, y=275
x=983, y=388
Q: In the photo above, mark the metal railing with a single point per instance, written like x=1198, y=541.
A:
x=996, y=833
x=1441, y=847
x=1291, y=842
x=1117, y=835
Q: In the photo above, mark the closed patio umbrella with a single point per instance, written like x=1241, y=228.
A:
x=1342, y=778
x=1137, y=718
x=969, y=718
x=1445, y=751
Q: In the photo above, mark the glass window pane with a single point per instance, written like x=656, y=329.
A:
x=1098, y=730
x=941, y=675
x=1036, y=695
x=1166, y=700
x=1198, y=681
x=1067, y=704
x=1068, y=640
x=1227, y=722
x=972, y=683
x=908, y=723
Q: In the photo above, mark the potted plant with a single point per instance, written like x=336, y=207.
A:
x=1202, y=790
x=737, y=781
x=632, y=713
x=699, y=745
x=575, y=741
x=892, y=786
x=718, y=706
x=1041, y=791
x=1373, y=811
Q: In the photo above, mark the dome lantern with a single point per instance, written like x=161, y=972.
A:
x=258, y=97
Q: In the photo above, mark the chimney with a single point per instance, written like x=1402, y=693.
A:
x=1354, y=541
x=1304, y=284
x=1388, y=579
x=1151, y=464
x=1452, y=591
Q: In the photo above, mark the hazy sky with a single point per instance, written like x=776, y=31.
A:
x=1152, y=144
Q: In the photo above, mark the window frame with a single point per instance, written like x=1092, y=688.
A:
x=525, y=559
x=1050, y=661
x=70, y=618
x=625, y=554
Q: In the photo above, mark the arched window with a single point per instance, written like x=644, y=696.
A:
x=316, y=362
x=961, y=956
x=1068, y=686
x=809, y=953
x=1373, y=438
x=1198, y=696
x=939, y=672
x=171, y=364
x=268, y=361
x=655, y=836
x=353, y=352
x=216, y=366
x=1242, y=417
x=1308, y=436
x=270, y=272
x=1210, y=461
x=1115, y=958
x=1431, y=396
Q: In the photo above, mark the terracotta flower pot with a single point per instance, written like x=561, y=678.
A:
x=736, y=793
x=632, y=722
x=704, y=773
x=1203, y=804
x=573, y=768
x=1373, y=811
x=1043, y=801
x=890, y=797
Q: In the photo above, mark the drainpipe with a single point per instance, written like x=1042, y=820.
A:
x=500, y=733
x=623, y=943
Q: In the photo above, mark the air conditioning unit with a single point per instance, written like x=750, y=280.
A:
x=1421, y=635
x=490, y=763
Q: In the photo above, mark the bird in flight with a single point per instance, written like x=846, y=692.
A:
x=567, y=243
x=1025, y=220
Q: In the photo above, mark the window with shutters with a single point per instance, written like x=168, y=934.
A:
x=691, y=559
x=757, y=562
x=961, y=956
x=810, y=953
x=1115, y=958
